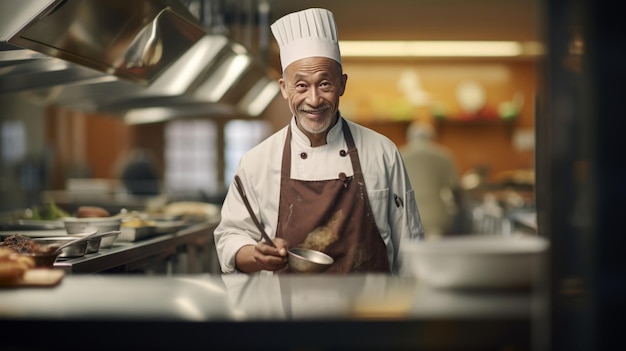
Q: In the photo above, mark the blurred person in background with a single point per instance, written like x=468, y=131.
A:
x=434, y=179
x=322, y=182
x=139, y=173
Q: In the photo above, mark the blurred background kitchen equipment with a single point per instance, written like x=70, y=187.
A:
x=75, y=225
x=476, y=261
x=68, y=247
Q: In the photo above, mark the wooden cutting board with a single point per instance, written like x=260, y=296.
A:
x=38, y=277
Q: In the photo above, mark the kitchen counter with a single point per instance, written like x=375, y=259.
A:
x=194, y=242
x=320, y=312
x=190, y=249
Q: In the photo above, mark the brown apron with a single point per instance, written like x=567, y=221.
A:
x=333, y=216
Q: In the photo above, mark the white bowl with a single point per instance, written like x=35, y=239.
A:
x=476, y=261
x=75, y=225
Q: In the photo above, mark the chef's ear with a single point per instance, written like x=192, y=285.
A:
x=283, y=88
x=344, y=80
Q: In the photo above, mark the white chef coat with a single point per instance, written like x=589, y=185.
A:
x=389, y=191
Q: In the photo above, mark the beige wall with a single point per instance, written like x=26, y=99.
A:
x=375, y=99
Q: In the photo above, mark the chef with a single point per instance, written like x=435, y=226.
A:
x=322, y=182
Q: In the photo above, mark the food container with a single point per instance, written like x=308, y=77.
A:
x=476, y=261
x=76, y=250
x=93, y=245
x=74, y=225
x=136, y=233
x=308, y=261
x=109, y=239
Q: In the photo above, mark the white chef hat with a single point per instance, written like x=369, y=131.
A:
x=306, y=33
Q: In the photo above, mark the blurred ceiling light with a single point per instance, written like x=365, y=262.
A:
x=437, y=48
x=259, y=97
x=225, y=76
x=147, y=115
x=182, y=74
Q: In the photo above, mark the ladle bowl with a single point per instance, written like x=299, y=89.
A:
x=300, y=260
x=308, y=261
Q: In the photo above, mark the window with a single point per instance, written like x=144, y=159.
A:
x=13, y=141
x=191, y=149
x=190, y=157
x=241, y=136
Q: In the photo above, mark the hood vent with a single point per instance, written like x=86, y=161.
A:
x=214, y=70
x=135, y=40
x=120, y=56
x=28, y=70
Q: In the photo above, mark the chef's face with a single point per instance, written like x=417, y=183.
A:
x=312, y=87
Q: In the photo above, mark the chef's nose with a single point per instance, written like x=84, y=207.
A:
x=314, y=96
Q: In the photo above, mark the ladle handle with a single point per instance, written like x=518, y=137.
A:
x=85, y=238
x=242, y=192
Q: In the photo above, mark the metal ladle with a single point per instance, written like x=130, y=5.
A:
x=300, y=260
x=84, y=238
x=242, y=192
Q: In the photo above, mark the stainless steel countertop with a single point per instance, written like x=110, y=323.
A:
x=214, y=305
x=196, y=236
x=206, y=297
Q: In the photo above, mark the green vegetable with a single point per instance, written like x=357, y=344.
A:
x=49, y=211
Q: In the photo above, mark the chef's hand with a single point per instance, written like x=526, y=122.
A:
x=253, y=258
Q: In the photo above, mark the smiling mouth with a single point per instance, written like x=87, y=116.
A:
x=316, y=112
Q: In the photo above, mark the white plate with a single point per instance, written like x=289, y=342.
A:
x=471, y=96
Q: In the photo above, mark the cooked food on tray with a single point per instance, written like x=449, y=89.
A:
x=12, y=265
x=137, y=222
x=19, y=243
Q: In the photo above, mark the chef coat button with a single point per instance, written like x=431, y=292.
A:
x=343, y=153
x=303, y=155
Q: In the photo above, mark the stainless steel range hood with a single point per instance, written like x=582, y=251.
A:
x=22, y=69
x=125, y=57
x=214, y=71
x=134, y=40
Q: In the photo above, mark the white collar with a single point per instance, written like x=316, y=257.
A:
x=334, y=134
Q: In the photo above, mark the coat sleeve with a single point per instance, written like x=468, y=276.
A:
x=236, y=228
x=259, y=170
x=403, y=215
